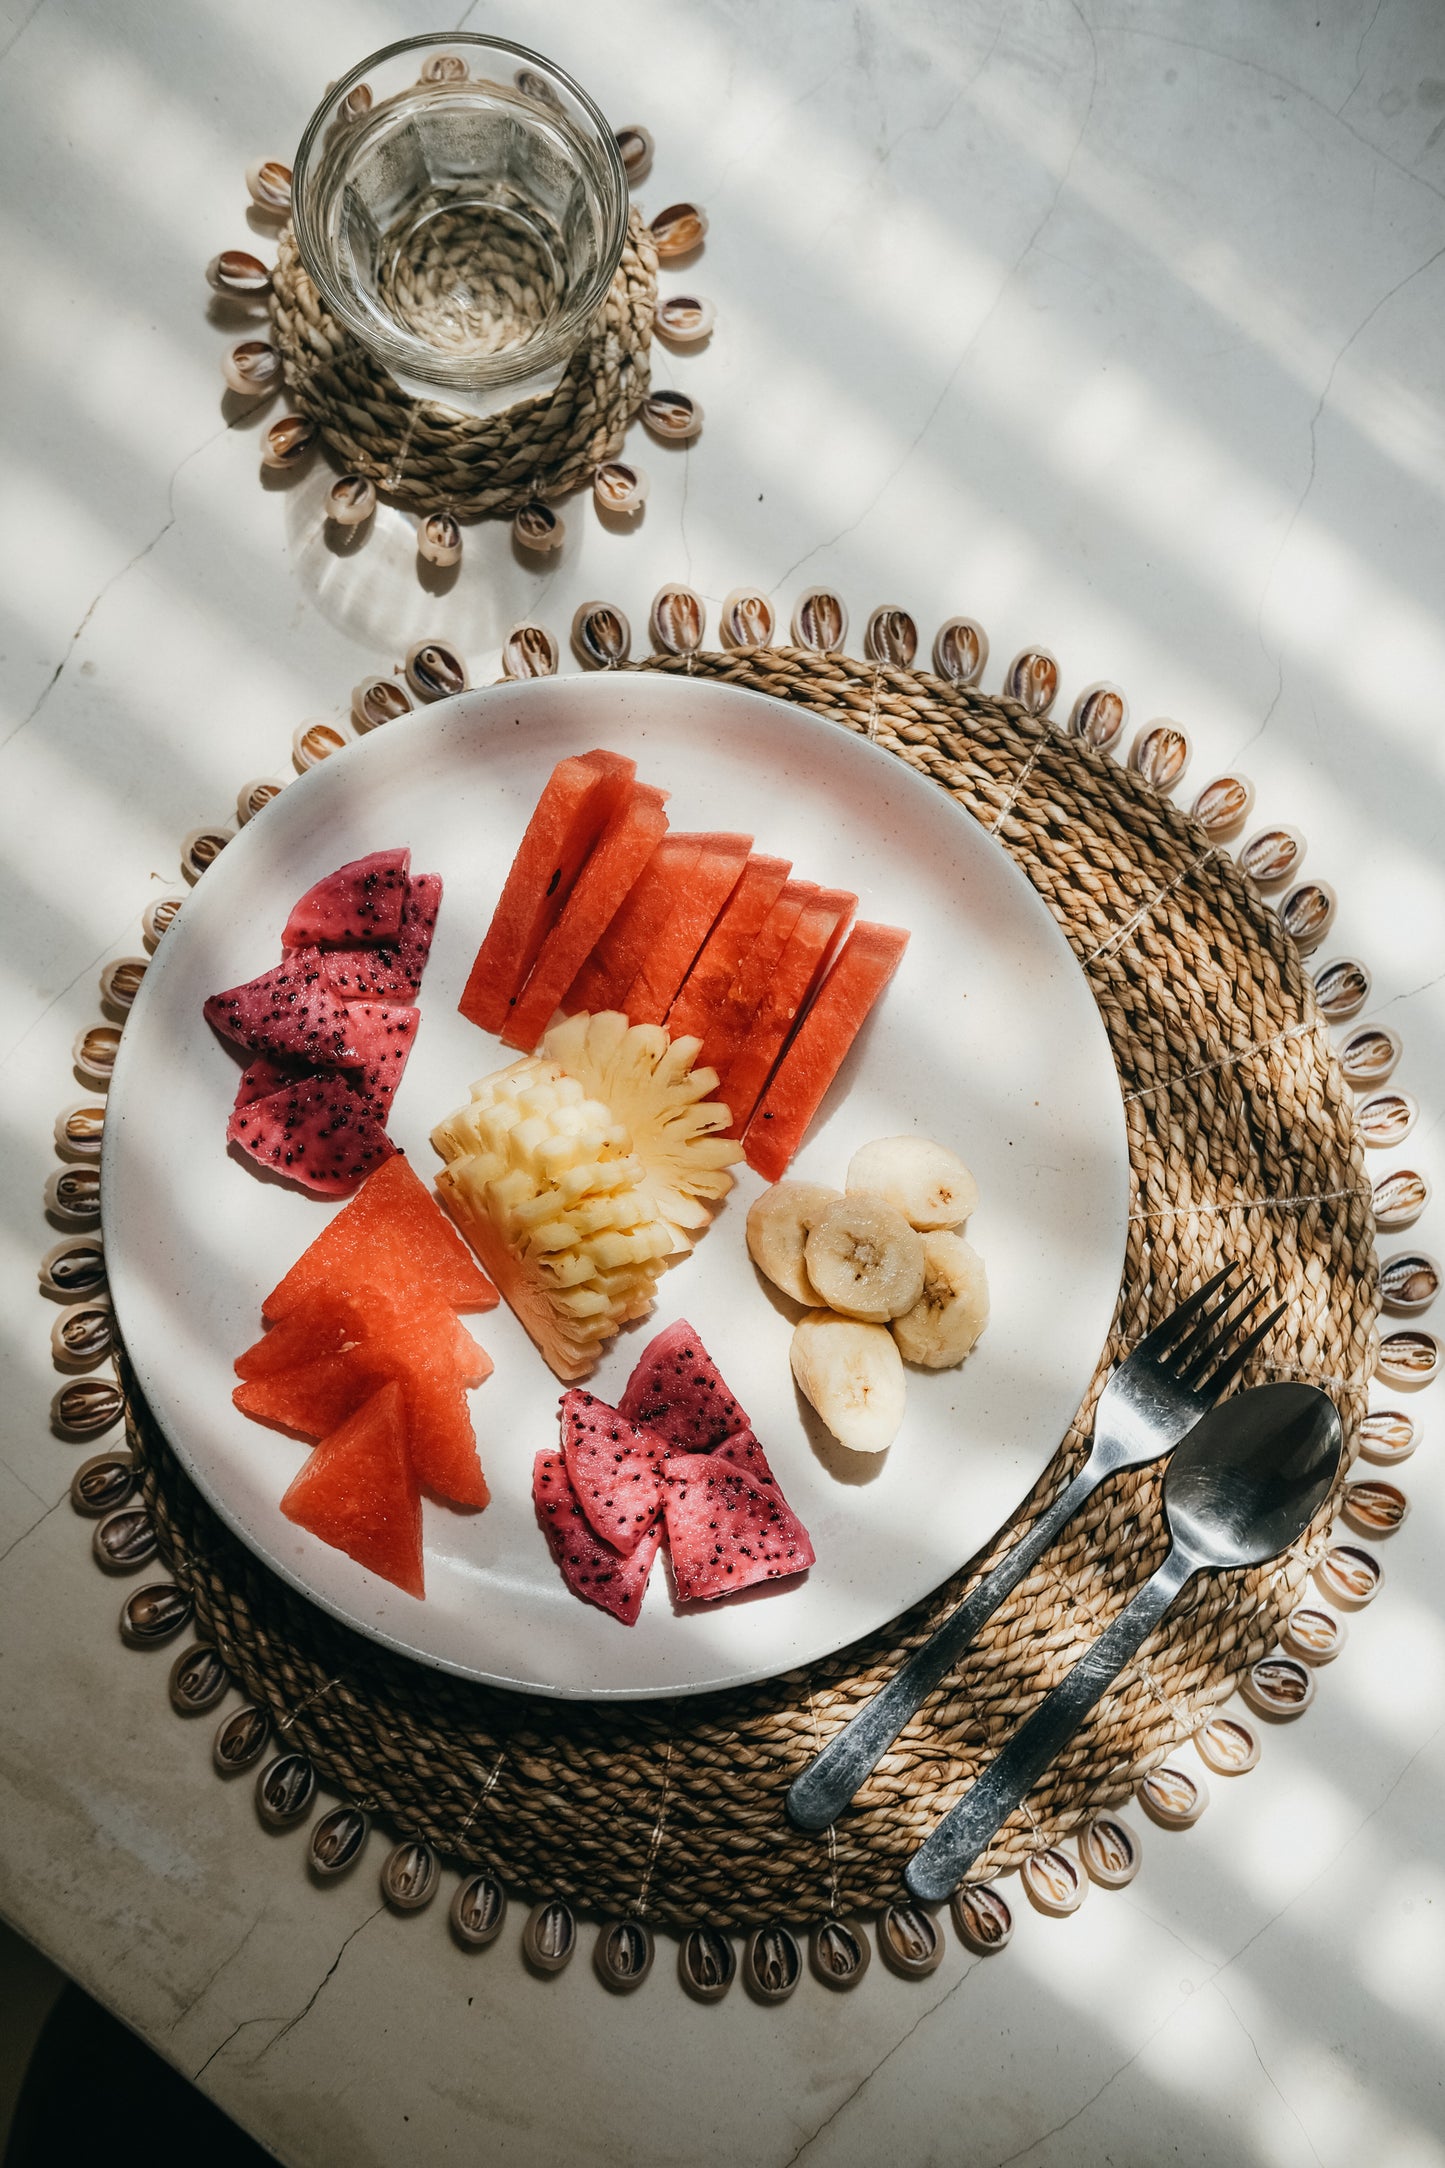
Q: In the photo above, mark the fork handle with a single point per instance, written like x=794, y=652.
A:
x=941, y=1862
x=819, y=1795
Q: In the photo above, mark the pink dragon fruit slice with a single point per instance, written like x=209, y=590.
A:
x=591, y=1568
x=316, y=1130
x=614, y=1469
x=676, y=1390
x=744, y=1452
x=383, y=1033
x=392, y=972
x=289, y=1011
x=358, y=902
x=724, y=1532
x=263, y=1076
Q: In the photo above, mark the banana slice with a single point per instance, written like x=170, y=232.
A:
x=864, y=1259
x=852, y=1375
x=927, y=1183
x=779, y=1223
x=952, y=1311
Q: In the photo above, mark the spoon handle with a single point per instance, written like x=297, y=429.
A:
x=820, y=1793
x=941, y=1862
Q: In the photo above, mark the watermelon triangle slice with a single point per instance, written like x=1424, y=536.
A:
x=360, y=901
x=322, y=1325
x=392, y=972
x=614, y=1468
x=591, y=1568
x=358, y=1493
x=759, y=886
x=725, y=1532
x=693, y=909
x=821, y=925
x=676, y=1391
x=392, y=1235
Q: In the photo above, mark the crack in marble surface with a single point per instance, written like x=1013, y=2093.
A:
x=882, y=2062
x=39, y=1522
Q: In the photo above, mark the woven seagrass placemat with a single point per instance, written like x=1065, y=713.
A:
x=1242, y=1145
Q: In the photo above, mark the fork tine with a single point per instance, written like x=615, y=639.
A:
x=1177, y=1362
x=1229, y=1327
x=1165, y=1334
x=1230, y=1368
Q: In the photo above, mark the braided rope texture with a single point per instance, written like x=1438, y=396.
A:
x=1242, y=1145
x=432, y=459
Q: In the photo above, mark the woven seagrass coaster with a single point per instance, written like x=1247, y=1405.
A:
x=1242, y=1145
x=433, y=459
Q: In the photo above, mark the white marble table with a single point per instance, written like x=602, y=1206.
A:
x=1119, y=324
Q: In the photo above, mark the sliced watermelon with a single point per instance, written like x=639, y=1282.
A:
x=759, y=887
x=591, y=1567
x=725, y=1532
x=322, y=1325
x=361, y=901
x=870, y=957
x=382, y=1032
x=676, y=1391
x=614, y=1468
x=622, y=850
x=358, y=1493
x=392, y=972
x=638, y=926
x=315, y=1130
x=814, y=941
x=394, y=1234
x=289, y=1010
x=579, y=801
x=693, y=909
x=732, y=1019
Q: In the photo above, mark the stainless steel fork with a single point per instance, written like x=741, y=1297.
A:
x=1154, y=1398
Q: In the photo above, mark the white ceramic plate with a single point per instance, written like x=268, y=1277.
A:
x=987, y=1039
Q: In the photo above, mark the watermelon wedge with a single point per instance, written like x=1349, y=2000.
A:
x=623, y=849
x=359, y=902
x=694, y=907
x=358, y=1493
x=869, y=959
x=393, y=971
x=677, y=1392
x=579, y=801
x=322, y=1325
x=732, y=1018
x=725, y=1532
x=392, y=1234
x=637, y=927
x=316, y=1131
x=759, y=887
x=591, y=1568
x=614, y=1469
x=813, y=943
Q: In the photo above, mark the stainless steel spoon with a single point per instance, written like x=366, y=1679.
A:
x=1242, y=1487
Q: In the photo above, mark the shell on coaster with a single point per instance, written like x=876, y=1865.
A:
x=478, y=1910
x=1174, y=1797
x=601, y=635
x=120, y=981
x=536, y=527
x=313, y=742
x=634, y=148
x=83, y=1336
x=1386, y=1435
x=1032, y=678
x=909, y=1941
x=1055, y=1881
x=537, y=88
x=80, y=1128
x=286, y=1791
x=1160, y=753
x=1110, y=1852
x=87, y=1407
x=1313, y=1634
x=675, y=416
x=153, y=1615
x=240, y=1740
x=1272, y=856
x=1351, y=1576
x=891, y=636
x=1307, y=913
x=1342, y=987
x=620, y=487
x=1227, y=1745
x=1223, y=806
x=125, y=1541
x=357, y=101
x=820, y=621
x=410, y=1876
x=270, y=185
x=102, y=1483
x=747, y=619
x=198, y=1681
x=622, y=1955
x=677, y=620
x=839, y=1952
x=1098, y=716
x=1374, y=1507
x=93, y=1052
x=378, y=700
x=1409, y=1282
x=678, y=230
x=684, y=319
x=351, y=500
x=706, y=1963
x=337, y=1842
x=1387, y=1119
x=236, y=271
x=439, y=540
x=1408, y=1358
x=435, y=671
x=530, y=651
x=1369, y=1055
x=287, y=442
x=200, y=849
x=550, y=1935
x=1398, y=1199
x=72, y=1196
x=982, y=1916
x=253, y=369
x=74, y=1269
x=772, y=1963
x=254, y=795
x=1279, y=1686
x=960, y=650
x=157, y=917
x=447, y=68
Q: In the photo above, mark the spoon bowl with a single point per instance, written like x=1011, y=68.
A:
x=1248, y=1480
